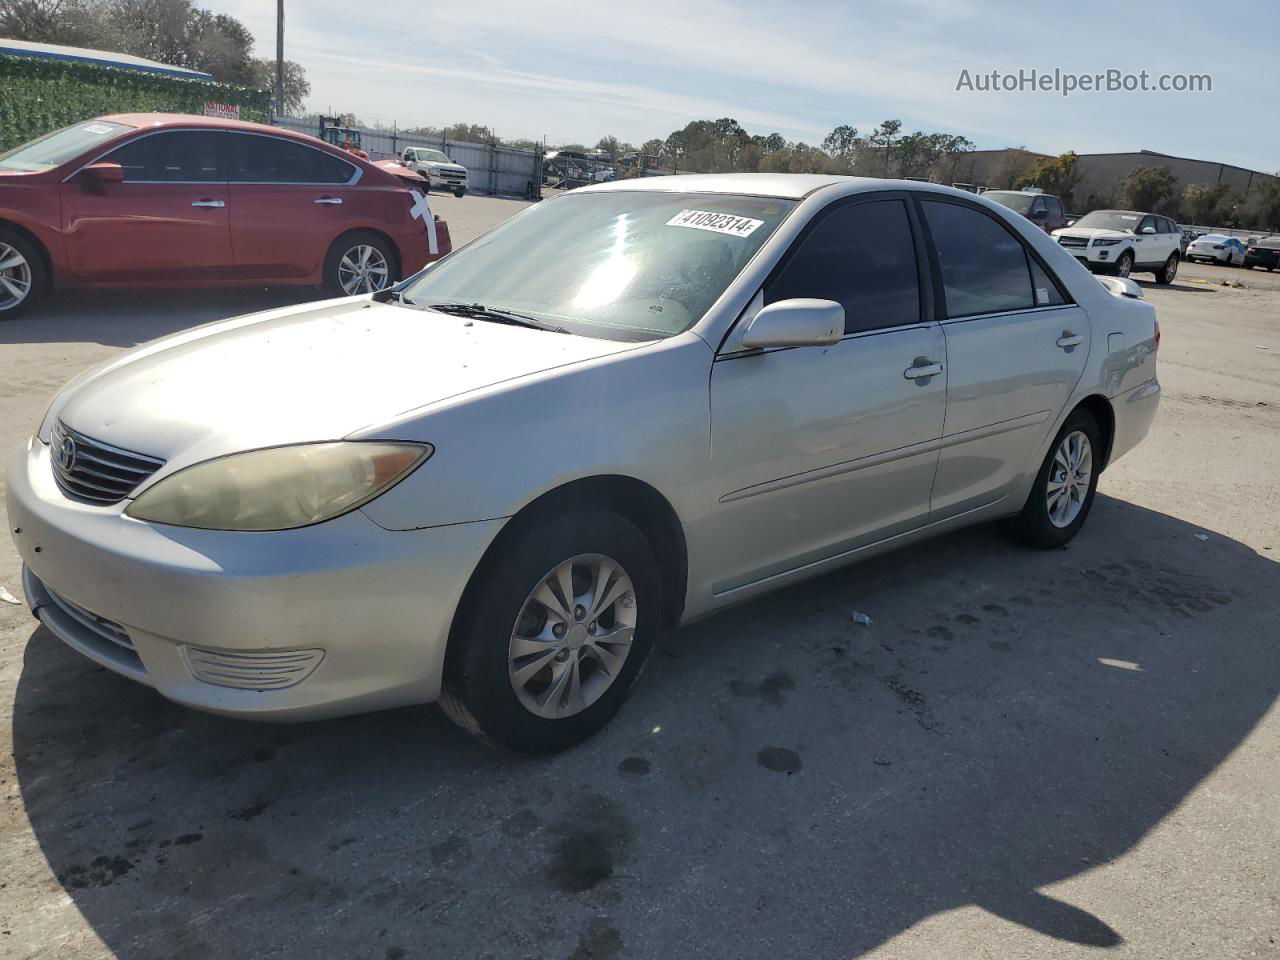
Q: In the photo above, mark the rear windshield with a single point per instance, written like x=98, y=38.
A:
x=1271, y=243
x=1017, y=202
x=55, y=149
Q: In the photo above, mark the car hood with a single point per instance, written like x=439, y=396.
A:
x=1090, y=232
x=436, y=165
x=317, y=372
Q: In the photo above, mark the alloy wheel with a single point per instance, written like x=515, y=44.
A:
x=1123, y=266
x=363, y=269
x=15, y=277
x=572, y=637
x=1069, y=479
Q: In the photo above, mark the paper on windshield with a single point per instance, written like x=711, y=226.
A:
x=727, y=223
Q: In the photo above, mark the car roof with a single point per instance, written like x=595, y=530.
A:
x=188, y=120
x=789, y=186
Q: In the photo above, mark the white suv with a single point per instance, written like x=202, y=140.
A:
x=439, y=170
x=1122, y=241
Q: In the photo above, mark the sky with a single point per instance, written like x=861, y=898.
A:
x=576, y=70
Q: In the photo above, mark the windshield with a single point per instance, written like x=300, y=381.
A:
x=1017, y=202
x=435, y=156
x=633, y=265
x=55, y=149
x=1110, y=220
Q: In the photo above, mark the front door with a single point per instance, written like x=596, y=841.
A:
x=1016, y=349
x=819, y=450
x=166, y=221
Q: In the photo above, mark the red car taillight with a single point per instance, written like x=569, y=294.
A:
x=1157, y=334
x=444, y=242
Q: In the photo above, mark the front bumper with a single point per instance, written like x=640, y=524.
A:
x=447, y=183
x=336, y=618
x=1096, y=257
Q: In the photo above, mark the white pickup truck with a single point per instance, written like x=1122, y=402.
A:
x=438, y=169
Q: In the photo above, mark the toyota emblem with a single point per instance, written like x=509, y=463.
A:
x=67, y=454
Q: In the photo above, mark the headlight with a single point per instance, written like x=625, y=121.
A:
x=278, y=488
x=1106, y=242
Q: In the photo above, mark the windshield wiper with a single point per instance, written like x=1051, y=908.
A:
x=391, y=295
x=479, y=311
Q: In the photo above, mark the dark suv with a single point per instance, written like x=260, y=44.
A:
x=1042, y=209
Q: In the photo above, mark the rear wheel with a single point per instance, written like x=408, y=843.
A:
x=1170, y=270
x=554, y=631
x=359, y=262
x=22, y=275
x=1124, y=266
x=1064, y=487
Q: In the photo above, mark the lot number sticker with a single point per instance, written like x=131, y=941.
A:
x=726, y=223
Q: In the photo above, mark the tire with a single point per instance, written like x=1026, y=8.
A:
x=480, y=689
x=1170, y=270
x=1034, y=526
x=460, y=191
x=347, y=252
x=1124, y=265
x=24, y=281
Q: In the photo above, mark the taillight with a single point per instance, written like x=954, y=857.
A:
x=1157, y=334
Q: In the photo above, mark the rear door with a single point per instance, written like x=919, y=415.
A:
x=289, y=202
x=819, y=450
x=166, y=222
x=1016, y=347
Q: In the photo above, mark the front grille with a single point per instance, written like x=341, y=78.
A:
x=1074, y=241
x=95, y=472
x=265, y=670
x=453, y=175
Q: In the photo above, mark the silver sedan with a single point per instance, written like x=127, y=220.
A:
x=623, y=409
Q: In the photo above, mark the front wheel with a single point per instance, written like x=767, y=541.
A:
x=1064, y=488
x=1170, y=270
x=553, y=632
x=1124, y=266
x=359, y=262
x=22, y=275
x=459, y=191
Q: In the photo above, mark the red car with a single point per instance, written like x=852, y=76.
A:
x=163, y=200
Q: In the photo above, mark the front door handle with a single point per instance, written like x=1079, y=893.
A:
x=329, y=200
x=1069, y=340
x=208, y=203
x=922, y=369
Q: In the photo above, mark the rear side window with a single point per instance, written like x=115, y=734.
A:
x=1054, y=206
x=984, y=267
x=255, y=159
x=1046, y=291
x=860, y=255
x=182, y=156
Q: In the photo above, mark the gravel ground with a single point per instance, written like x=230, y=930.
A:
x=1026, y=755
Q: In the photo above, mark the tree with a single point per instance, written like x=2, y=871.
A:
x=610, y=145
x=1056, y=175
x=1265, y=209
x=74, y=22
x=296, y=86
x=651, y=148
x=1148, y=188
x=1211, y=205
x=1015, y=166
x=842, y=145
x=882, y=138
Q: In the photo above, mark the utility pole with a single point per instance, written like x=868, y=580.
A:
x=279, y=57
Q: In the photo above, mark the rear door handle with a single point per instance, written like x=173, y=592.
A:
x=208, y=203
x=329, y=200
x=922, y=369
x=1069, y=339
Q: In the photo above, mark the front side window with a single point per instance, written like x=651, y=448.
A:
x=179, y=156
x=263, y=159
x=1054, y=206
x=633, y=265
x=55, y=149
x=984, y=267
x=860, y=255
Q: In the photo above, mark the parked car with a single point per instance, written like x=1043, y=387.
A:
x=1122, y=241
x=1042, y=209
x=495, y=484
x=158, y=199
x=437, y=168
x=1216, y=248
x=1263, y=253
x=1188, y=235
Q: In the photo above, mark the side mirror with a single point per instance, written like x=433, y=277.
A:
x=104, y=172
x=1148, y=230
x=1039, y=215
x=796, y=323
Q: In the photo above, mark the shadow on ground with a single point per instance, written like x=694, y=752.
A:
x=784, y=783
x=125, y=318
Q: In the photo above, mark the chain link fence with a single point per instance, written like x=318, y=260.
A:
x=492, y=169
